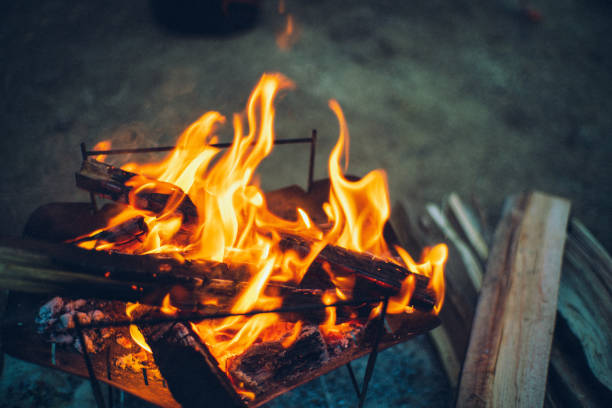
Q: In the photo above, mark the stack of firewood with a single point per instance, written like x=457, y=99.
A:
x=534, y=329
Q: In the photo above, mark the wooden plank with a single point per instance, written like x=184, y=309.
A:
x=42, y=267
x=509, y=349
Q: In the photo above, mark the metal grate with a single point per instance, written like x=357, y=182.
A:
x=360, y=391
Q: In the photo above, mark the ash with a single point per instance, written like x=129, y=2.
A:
x=56, y=322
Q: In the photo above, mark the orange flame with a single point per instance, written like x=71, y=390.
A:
x=136, y=334
x=103, y=145
x=234, y=225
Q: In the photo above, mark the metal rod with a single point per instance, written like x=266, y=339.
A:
x=144, y=376
x=373, y=354
x=353, y=379
x=92, y=197
x=168, y=148
x=313, y=148
x=84, y=152
x=195, y=317
x=95, y=385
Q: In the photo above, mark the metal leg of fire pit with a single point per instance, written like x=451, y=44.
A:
x=353, y=379
x=371, y=360
x=95, y=385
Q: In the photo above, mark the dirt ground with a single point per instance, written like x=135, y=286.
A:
x=466, y=96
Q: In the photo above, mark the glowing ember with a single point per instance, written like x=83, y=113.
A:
x=234, y=224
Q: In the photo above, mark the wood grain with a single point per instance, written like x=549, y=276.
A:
x=509, y=349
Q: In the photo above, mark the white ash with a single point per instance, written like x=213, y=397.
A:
x=56, y=322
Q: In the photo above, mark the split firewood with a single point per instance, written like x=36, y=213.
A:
x=581, y=362
x=123, y=234
x=470, y=226
x=508, y=355
x=585, y=300
x=110, y=182
x=377, y=276
x=269, y=367
x=186, y=364
x=40, y=267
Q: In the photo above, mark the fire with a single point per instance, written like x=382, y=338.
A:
x=234, y=224
x=103, y=145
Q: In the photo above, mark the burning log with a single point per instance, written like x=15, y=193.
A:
x=40, y=267
x=374, y=274
x=113, y=183
x=265, y=370
x=508, y=354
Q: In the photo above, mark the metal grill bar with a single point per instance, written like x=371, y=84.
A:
x=194, y=317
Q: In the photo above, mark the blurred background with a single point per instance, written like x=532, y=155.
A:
x=485, y=98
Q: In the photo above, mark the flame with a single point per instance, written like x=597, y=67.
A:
x=234, y=225
x=103, y=145
x=136, y=334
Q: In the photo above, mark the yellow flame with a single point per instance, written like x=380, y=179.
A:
x=103, y=145
x=136, y=334
x=234, y=225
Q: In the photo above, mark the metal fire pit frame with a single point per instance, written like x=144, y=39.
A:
x=360, y=391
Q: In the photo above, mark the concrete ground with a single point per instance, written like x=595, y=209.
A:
x=466, y=96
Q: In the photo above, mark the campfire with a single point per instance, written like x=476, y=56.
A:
x=236, y=293
x=192, y=286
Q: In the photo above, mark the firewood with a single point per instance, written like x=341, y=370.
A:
x=469, y=224
x=123, y=234
x=472, y=266
x=417, y=229
x=508, y=355
x=584, y=331
x=39, y=267
x=191, y=372
x=267, y=369
x=571, y=382
x=258, y=371
x=110, y=182
x=374, y=274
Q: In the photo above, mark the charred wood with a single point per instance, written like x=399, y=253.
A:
x=110, y=182
x=39, y=267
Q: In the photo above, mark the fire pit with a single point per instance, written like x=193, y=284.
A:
x=238, y=295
